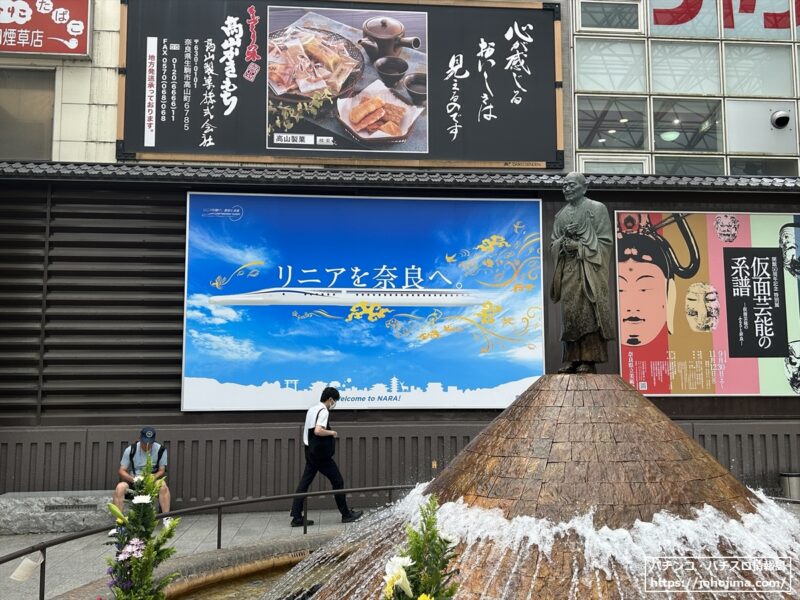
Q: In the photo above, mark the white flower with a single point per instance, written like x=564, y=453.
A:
x=396, y=573
x=138, y=478
x=403, y=583
x=397, y=563
x=141, y=499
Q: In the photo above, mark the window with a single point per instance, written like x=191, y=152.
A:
x=684, y=19
x=758, y=70
x=26, y=114
x=690, y=165
x=687, y=125
x=757, y=20
x=768, y=167
x=613, y=165
x=616, y=16
x=612, y=123
x=610, y=65
x=753, y=126
x=685, y=68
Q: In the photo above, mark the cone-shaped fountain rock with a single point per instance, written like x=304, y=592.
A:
x=572, y=492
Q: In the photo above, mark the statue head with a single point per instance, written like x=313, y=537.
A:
x=787, y=240
x=726, y=227
x=574, y=187
x=792, y=366
x=702, y=307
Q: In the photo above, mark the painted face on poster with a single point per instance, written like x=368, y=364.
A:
x=642, y=301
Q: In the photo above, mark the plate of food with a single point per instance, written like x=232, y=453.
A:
x=376, y=114
x=303, y=61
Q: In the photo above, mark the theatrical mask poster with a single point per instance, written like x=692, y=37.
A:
x=708, y=303
x=399, y=303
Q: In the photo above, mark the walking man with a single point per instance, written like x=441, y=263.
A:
x=319, y=443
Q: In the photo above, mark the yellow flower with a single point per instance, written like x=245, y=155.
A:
x=117, y=513
x=388, y=590
x=396, y=576
x=424, y=597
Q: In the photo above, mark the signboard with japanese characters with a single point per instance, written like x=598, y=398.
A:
x=397, y=302
x=396, y=83
x=709, y=303
x=48, y=27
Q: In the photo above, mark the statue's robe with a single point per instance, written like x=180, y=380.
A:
x=580, y=282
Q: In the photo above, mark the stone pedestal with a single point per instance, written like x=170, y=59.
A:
x=53, y=512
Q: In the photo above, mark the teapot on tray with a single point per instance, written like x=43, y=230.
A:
x=383, y=36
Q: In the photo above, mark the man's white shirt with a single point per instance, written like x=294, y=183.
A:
x=312, y=420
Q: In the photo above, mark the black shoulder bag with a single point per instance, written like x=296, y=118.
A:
x=321, y=447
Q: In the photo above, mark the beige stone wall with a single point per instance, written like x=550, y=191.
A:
x=85, y=112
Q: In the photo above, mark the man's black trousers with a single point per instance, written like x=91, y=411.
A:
x=329, y=469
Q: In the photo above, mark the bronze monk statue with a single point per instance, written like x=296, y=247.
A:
x=581, y=247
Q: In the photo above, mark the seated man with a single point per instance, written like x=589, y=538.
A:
x=134, y=459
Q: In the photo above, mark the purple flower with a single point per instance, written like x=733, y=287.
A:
x=134, y=548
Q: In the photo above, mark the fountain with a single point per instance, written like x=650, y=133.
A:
x=575, y=491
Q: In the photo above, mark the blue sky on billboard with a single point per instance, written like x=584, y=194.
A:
x=482, y=257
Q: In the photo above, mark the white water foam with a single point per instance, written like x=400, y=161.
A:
x=770, y=531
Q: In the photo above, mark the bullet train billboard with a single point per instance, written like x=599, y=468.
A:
x=399, y=303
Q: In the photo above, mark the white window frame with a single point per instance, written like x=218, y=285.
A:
x=719, y=155
x=648, y=117
x=666, y=41
x=723, y=150
x=641, y=159
x=731, y=157
x=580, y=28
x=611, y=39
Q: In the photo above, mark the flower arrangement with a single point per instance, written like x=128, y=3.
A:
x=420, y=571
x=138, y=550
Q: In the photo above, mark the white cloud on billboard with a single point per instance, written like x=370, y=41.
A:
x=226, y=347
x=202, y=242
x=198, y=309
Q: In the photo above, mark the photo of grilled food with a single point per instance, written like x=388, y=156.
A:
x=373, y=114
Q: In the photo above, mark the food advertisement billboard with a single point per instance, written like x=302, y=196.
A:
x=387, y=83
x=399, y=303
x=709, y=303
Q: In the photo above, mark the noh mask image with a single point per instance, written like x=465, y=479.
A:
x=792, y=366
x=787, y=240
x=702, y=307
x=726, y=227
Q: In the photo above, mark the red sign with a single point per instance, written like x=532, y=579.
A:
x=45, y=27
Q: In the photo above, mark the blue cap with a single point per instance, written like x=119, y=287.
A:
x=147, y=435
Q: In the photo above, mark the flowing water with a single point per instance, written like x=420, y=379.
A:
x=503, y=558
x=251, y=587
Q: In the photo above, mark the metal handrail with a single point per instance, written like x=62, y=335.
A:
x=43, y=546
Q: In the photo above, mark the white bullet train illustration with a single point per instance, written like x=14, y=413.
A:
x=289, y=296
